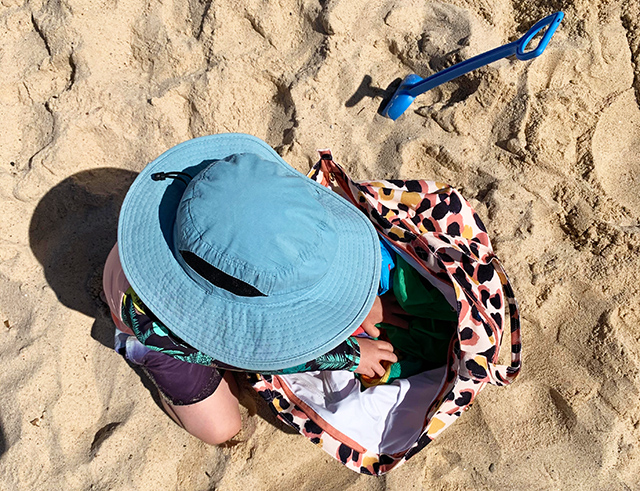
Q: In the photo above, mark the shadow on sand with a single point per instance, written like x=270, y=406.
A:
x=71, y=233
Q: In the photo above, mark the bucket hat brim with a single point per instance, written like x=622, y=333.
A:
x=252, y=333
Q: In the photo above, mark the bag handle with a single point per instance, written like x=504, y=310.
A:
x=494, y=373
x=505, y=374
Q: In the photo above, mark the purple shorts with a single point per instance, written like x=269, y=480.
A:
x=181, y=383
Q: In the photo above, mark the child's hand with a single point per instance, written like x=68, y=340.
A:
x=372, y=352
x=385, y=309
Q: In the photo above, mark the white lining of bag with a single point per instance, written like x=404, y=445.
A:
x=383, y=419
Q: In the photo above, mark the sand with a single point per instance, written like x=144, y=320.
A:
x=548, y=152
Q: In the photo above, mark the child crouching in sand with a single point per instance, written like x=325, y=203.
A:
x=228, y=259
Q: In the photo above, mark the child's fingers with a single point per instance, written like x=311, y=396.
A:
x=379, y=370
x=384, y=346
x=372, y=354
x=371, y=330
x=388, y=356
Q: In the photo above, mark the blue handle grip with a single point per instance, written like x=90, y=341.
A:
x=553, y=21
x=516, y=48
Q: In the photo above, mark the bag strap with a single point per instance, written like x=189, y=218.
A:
x=495, y=374
x=505, y=374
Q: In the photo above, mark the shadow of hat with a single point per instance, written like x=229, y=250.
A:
x=72, y=230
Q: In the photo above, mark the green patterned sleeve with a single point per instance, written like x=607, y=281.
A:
x=154, y=335
x=345, y=356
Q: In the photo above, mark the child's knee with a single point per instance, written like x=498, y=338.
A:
x=220, y=433
x=214, y=420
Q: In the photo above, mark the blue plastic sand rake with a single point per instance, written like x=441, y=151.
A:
x=413, y=85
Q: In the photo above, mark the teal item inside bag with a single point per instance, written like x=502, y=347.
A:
x=425, y=345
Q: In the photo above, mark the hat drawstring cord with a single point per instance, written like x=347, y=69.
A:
x=161, y=176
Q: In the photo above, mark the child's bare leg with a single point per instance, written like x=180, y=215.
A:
x=213, y=420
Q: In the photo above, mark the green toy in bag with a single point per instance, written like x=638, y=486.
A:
x=425, y=345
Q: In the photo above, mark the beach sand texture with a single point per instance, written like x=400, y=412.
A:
x=547, y=151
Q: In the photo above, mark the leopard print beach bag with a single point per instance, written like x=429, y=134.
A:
x=437, y=231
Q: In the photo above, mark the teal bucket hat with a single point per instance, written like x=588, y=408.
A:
x=243, y=257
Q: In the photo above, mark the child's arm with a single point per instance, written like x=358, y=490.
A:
x=360, y=355
x=345, y=356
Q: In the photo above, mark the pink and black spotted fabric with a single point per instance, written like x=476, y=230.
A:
x=438, y=231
